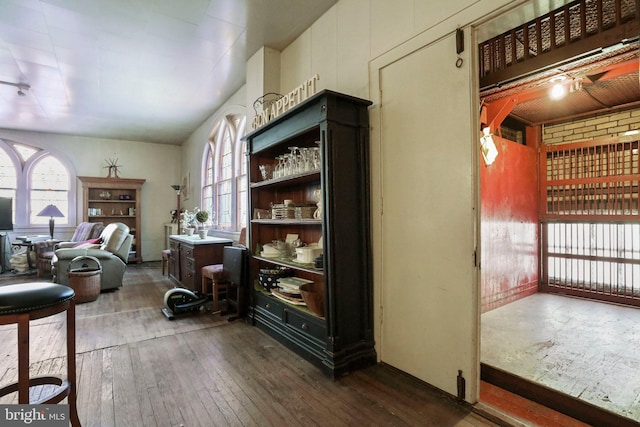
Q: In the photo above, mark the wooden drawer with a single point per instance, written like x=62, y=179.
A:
x=293, y=320
x=269, y=306
x=189, y=265
x=305, y=325
x=188, y=280
x=187, y=251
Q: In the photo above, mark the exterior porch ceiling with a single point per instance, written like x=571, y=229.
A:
x=603, y=81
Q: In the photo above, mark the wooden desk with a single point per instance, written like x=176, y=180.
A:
x=189, y=254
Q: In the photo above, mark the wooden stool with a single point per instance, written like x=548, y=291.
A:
x=166, y=256
x=214, y=274
x=29, y=301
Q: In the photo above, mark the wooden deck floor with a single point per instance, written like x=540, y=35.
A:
x=136, y=368
x=585, y=349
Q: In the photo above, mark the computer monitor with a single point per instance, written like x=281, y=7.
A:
x=6, y=214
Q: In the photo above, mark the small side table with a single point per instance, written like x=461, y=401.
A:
x=44, y=253
x=24, y=244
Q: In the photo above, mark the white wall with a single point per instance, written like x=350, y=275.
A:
x=159, y=164
x=350, y=44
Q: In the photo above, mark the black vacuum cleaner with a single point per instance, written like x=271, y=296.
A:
x=180, y=301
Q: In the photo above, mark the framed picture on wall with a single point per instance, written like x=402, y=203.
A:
x=186, y=186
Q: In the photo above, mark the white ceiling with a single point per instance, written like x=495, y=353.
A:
x=144, y=70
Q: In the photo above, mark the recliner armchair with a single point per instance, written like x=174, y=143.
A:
x=112, y=252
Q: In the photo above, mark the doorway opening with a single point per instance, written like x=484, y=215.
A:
x=560, y=209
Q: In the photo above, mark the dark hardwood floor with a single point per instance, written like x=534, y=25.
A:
x=136, y=368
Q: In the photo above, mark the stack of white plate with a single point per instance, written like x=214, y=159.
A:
x=291, y=285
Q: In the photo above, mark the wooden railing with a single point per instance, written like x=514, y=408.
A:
x=561, y=35
x=590, y=219
x=596, y=179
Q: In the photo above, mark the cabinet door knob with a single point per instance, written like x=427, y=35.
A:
x=304, y=326
x=267, y=306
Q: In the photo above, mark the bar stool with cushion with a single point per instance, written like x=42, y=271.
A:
x=229, y=277
x=166, y=256
x=214, y=274
x=29, y=301
x=217, y=275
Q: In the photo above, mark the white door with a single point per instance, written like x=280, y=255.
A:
x=429, y=288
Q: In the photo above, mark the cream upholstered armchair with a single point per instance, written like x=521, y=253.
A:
x=112, y=252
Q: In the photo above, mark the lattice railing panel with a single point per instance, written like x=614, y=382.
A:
x=597, y=260
x=560, y=28
x=595, y=178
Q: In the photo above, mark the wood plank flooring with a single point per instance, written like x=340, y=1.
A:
x=136, y=368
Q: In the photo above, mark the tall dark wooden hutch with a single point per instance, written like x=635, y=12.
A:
x=342, y=339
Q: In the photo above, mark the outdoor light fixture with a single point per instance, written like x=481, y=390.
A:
x=52, y=212
x=488, y=147
x=559, y=88
x=558, y=91
x=21, y=87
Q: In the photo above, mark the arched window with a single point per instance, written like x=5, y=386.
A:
x=8, y=179
x=49, y=185
x=224, y=191
x=35, y=178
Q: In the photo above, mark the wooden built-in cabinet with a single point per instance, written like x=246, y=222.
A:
x=342, y=339
x=110, y=200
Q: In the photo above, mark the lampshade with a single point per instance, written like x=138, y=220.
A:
x=52, y=212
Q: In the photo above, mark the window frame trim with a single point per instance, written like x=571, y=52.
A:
x=226, y=122
x=24, y=169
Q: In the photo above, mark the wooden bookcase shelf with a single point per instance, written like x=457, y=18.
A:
x=110, y=200
x=337, y=124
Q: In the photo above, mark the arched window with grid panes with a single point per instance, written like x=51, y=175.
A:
x=224, y=192
x=8, y=177
x=49, y=181
x=35, y=178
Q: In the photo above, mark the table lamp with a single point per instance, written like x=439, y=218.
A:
x=52, y=212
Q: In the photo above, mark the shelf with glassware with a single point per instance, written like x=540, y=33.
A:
x=109, y=200
x=309, y=199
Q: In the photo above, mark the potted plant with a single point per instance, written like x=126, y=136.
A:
x=187, y=220
x=201, y=217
